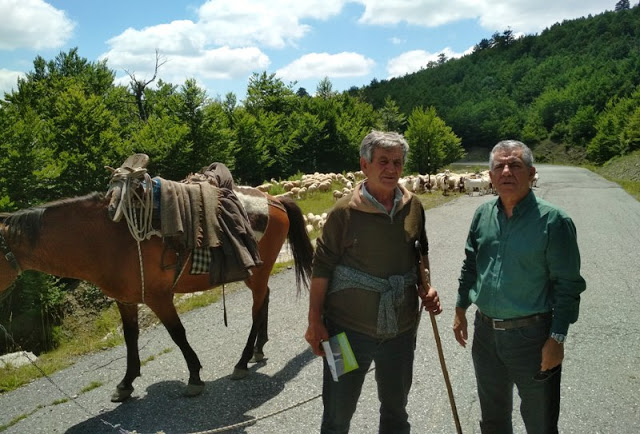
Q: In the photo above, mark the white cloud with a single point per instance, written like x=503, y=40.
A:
x=271, y=23
x=397, y=41
x=320, y=65
x=413, y=61
x=33, y=24
x=223, y=42
x=494, y=15
x=219, y=63
x=9, y=80
x=176, y=37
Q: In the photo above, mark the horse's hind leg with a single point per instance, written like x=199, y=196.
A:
x=129, y=314
x=263, y=335
x=258, y=329
x=166, y=312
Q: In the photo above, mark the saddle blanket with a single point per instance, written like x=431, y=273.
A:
x=201, y=260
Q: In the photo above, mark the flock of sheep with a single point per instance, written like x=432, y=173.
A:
x=445, y=182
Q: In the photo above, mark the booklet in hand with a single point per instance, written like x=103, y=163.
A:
x=339, y=355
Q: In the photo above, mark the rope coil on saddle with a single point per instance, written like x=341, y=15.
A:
x=137, y=208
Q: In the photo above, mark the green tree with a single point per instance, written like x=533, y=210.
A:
x=325, y=89
x=622, y=5
x=616, y=129
x=391, y=119
x=433, y=144
x=269, y=93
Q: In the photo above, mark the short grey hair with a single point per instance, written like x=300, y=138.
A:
x=385, y=140
x=510, y=145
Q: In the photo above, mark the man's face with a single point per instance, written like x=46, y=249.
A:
x=385, y=169
x=510, y=176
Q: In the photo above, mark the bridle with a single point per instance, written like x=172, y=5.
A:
x=8, y=254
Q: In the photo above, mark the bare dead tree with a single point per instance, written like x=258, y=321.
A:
x=138, y=86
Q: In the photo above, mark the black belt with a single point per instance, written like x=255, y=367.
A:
x=514, y=323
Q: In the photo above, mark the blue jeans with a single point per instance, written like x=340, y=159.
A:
x=393, y=372
x=502, y=358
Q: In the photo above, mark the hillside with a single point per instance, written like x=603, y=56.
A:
x=562, y=85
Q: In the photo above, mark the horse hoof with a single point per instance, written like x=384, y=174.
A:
x=257, y=357
x=193, y=390
x=239, y=374
x=121, y=394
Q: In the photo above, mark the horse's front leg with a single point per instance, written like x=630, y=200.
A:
x=129, y=315
x=165, y=310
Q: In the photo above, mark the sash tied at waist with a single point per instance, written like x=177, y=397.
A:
x=391, y=292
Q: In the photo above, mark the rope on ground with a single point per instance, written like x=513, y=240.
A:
x=266, y=416
x=66, y=395
x=124, y=431
x=254, y=421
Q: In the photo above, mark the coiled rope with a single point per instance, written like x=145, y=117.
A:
x=137, y=208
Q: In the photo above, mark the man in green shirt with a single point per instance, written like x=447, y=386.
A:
x=522, y=271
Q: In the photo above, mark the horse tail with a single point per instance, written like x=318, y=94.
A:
x=301, y=247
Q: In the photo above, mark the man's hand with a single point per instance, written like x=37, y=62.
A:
x=552, y=354
x=460, y=326
x=316, y=333
x=430, y=300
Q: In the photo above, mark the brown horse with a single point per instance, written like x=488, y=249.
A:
x=75, y=238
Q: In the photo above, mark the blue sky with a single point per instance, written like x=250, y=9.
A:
x=221, y=43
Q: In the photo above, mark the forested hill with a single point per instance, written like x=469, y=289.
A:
x=576, y=83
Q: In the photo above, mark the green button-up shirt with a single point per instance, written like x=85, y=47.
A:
x=522, y=265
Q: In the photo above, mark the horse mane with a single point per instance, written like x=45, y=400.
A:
x=27, y=222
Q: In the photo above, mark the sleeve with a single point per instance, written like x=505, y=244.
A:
x=563, y=260
x=468, y=274
x=329, y=245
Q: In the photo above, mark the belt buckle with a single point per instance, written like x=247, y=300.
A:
x=494, y=322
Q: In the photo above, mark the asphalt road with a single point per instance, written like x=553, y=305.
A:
x=601, y=374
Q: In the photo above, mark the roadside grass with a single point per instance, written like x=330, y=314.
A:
x=631, y=187
x=624, y=170
x=18, y=418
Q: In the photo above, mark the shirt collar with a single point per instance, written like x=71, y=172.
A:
x=521, y=207
x=396, y=199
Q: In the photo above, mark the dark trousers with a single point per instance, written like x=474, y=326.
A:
x=393, y=372
x=504, y=358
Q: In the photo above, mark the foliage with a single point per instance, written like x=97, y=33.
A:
x=433, y=144
x=391, y=119
x=30, y=311
x=560, y=85
x=617, y=129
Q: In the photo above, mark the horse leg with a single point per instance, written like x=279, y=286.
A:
x=129, y=315
x=263, y=335
x=166, y=312
x=241, y=369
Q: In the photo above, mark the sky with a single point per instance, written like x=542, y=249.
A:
x=221, y=43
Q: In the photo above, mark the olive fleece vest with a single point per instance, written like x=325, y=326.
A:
x=360, y=236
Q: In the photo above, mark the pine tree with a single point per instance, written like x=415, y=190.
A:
x=623, y=5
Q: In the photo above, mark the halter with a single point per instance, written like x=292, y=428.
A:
x=8, y=254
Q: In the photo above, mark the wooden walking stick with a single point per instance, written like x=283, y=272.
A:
x=425, y=284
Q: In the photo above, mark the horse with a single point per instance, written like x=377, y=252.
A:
x=75, y=238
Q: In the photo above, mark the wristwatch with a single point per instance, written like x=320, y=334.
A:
x=559, y=338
